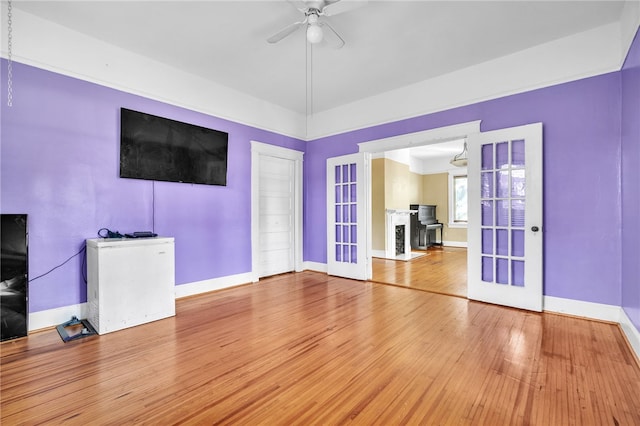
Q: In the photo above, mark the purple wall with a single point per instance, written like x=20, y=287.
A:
x=581, y=123
x=631, y=183
x=59, y=164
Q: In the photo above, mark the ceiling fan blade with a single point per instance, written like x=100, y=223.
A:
x=285, y=32
x=332, y=38
x=342, y=6
x=299, y=4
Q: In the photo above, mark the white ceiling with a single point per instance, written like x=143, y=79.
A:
x=389, y=44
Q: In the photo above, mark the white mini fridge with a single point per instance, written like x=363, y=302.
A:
x=129, y=282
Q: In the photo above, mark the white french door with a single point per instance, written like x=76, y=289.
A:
x=505, y=244
x=346, y=217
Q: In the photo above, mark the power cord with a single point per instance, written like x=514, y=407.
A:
x=104, y=233
x=82, y=250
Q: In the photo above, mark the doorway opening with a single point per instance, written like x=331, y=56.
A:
x=402, y=168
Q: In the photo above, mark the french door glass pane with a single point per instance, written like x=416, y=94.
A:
x=502, y=271
x=517, y=273
x=502, y=242
x=503, y=192
x=517, y=183
x=502, y=213
x=502, y=155
x=487, y=157
x=487, y=213
x=487, y=269
x=517, y=213
x=502, y=183
x=346, y=213
x=487, y=241
x=517, y=243
x=517, y=153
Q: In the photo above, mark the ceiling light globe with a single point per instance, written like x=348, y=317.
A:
x=314, y=34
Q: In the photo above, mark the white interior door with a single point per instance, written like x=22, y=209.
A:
x=276, y=216
x=505, y=217
x=346, y=217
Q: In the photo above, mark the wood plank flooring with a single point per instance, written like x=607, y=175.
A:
x=442, y=270
x=306, y=348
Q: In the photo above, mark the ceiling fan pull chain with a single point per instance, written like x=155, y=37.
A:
x=9, y=55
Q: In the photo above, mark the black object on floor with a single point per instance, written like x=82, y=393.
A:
x=78, y=329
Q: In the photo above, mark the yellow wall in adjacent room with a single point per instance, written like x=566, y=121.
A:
x=436, y=191
x=394, y=186
x=402, y=187
x=377, y=204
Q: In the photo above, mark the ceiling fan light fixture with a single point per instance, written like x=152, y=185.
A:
x=314, y=34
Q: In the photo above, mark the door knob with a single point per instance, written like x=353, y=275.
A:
x=535, y=228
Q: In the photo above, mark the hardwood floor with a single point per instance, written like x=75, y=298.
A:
x=307, y=348
x=442, y=270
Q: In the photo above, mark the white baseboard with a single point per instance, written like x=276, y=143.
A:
x=597, y=311
x=315, y=266
x=378, y=253
x=383, y=254
x=580, y=308
x=57, y=316
x=632, y=333
x=205, y=286
x=454, y=244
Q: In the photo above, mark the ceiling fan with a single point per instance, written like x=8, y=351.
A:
x=318, y=29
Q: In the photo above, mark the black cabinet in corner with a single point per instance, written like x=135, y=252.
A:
x=13, y=276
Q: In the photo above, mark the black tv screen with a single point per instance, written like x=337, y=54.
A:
x=157, y=148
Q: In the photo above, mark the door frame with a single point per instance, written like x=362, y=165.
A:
x=259, y=150
x=408, y=140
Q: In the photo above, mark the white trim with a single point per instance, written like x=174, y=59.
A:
x=457, y=225
x=315, y=266
x=425, y=137
x=630, y=331
x=259, y=149
x=53, y=317
x=579, y=308
x=56, y=316
x=379, y=253
x=455, y=244
x=407, y=140
x=205, y=286
x=596, y=311
x=454, y=173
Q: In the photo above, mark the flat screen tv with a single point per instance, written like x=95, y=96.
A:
x=157, y=148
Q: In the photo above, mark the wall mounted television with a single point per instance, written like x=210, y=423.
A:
x=156, y=148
